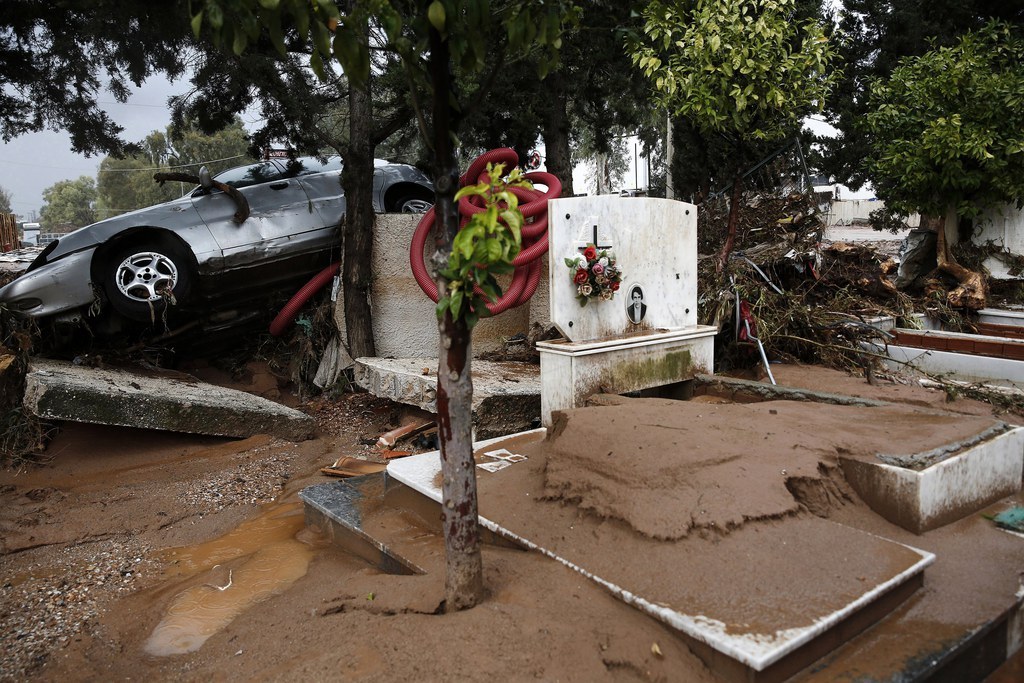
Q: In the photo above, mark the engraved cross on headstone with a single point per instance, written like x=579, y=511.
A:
x=588, y=234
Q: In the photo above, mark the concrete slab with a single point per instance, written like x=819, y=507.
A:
x=506, y=395
x=769, y=643
x=336, y=509
x=996, y=371
x=59, y=390
x=747, y=391
x=572, y=371
x=1001, y=316
x=945, y=490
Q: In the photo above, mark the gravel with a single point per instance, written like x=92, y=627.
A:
x=257, y=476
x=54, y=595
x=50, y=603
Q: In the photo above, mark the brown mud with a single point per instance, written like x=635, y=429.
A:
x=141, y=555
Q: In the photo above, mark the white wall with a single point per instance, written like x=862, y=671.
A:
x=1005, y=227
x=404, y=323
x=856, y=211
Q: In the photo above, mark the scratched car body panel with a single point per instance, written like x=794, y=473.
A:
x=194, y=248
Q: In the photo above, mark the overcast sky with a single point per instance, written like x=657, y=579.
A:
x=31, y=163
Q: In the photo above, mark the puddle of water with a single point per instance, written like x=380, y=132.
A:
x=260, y=558
x=278, y=522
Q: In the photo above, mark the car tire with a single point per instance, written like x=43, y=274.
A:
x=141, y=278
x=412, y=203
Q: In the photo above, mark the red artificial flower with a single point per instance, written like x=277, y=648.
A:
x=590, y=253
x=581, y=276
x=615, y=286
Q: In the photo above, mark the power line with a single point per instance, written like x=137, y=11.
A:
x=133, y=104
x=122, y=170
x=164, y=168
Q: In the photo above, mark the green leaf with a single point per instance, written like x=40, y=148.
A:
x=321, y=38
x=270, y=4
x=239, y=43
x=301, y=19
x=480, y=189
x=491, y=290
x=456, y=302
x=493, y=250
x=317, y=64
x=215, y=16
x=442, y=305
x=197, y=23
x=436, y=15
x=272, y=21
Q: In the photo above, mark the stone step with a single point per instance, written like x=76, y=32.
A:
x=506, y=395
x=58, y=390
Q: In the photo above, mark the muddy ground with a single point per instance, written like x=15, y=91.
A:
x=123, y=536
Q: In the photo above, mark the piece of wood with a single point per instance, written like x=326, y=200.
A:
x=389, y=439
x=346, y=466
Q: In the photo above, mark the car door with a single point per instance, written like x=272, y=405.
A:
x=322, y=182
x=280, y=213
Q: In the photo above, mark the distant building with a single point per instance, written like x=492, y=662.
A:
x=30, y=234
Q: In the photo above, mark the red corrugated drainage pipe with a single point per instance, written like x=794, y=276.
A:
x=534, y=206
x=284, y=319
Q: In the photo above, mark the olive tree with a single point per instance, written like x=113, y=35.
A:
x=431, y=37
x=125, y=182
x=947, y=132
x=69, y=202
x=745, y=70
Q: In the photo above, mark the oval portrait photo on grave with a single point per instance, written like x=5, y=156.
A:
x=636, y=308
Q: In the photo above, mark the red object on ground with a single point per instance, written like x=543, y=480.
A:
x=284, y=319
x=748, y=324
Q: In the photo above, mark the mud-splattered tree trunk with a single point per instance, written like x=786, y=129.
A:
x=972, y=291
x=464, y=576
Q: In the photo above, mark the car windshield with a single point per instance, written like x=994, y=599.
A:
x=244, y=176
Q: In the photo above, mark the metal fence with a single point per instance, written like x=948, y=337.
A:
x=782, y=172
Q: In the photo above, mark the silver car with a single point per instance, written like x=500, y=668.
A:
x=194, y=253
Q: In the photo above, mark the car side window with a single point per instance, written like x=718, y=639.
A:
x=244, y=176
x=310, y=165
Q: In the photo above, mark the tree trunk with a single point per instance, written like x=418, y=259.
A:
x=464, y=576
x=972, y=292
x=734, y=219
x=604, y=177
x=357, y=265
x=556, y=133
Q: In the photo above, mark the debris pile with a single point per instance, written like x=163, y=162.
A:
x=808, y=300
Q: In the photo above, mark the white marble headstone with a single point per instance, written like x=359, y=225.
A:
x=655, y=246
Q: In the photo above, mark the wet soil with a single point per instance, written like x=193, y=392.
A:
x=124, y=557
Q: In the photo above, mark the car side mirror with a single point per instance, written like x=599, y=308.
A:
x=205, y=179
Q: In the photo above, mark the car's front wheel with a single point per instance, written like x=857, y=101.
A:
x=411, y=204
x=142, y=279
